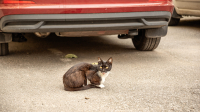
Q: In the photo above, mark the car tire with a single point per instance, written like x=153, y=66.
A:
x=142, y=43
x=4, y=49
x=174, y=21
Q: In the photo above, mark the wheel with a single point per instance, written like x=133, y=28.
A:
x=4, y=49
x=142, y=43
x=174, y=21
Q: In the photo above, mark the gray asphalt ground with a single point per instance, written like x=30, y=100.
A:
x=164, y=80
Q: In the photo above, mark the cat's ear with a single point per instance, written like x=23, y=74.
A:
x=99, y=60
x=110, y=60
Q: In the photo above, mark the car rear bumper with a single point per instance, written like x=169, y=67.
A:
x=84, y=22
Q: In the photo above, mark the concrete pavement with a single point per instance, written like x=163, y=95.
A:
x=164, y=80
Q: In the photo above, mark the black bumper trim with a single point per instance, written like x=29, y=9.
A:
x=84, y=22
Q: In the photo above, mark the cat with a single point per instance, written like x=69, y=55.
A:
x=75, y=79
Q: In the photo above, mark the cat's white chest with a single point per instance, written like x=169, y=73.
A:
x=103, y=78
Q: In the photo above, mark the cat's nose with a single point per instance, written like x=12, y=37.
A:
x=103, y=72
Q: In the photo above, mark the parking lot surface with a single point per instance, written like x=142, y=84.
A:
x=164, y=80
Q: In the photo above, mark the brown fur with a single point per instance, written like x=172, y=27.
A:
x=75, y=79
x=77, y=76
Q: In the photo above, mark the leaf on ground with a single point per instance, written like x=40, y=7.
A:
x=71, y=56
x=87, y=98
x=95, y=63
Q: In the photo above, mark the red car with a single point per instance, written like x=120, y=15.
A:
x=144, y=21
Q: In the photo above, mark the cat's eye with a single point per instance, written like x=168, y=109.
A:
x=106, y=67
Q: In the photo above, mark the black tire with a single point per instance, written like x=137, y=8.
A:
x=142, y=43
x=4, y=49
x=174, y=21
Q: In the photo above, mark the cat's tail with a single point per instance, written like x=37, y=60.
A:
x=80, y=88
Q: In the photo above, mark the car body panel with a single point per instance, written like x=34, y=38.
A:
x=187, y=7
x=40, y=6
x=86, y=6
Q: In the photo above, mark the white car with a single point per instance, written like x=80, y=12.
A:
x=184, y=8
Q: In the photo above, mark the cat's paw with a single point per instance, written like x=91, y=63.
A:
x=101, y=86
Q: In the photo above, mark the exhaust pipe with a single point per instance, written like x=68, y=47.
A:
x=130, y=34
x=42, y=34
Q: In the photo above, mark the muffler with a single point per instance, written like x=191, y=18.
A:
x=42, y=34
x=90, y=33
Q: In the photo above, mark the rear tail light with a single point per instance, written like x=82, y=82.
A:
x=18, y=2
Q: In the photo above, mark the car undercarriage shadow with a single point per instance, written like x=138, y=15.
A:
x=190, y=22
x=51, y=51
x=76, y=45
